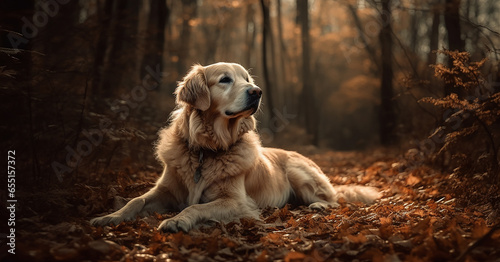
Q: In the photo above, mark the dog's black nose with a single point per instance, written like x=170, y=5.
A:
x=255, y=92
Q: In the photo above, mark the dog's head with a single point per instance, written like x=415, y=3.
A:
x=225, y=89
x=217, y=103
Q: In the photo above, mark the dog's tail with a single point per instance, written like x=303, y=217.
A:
x=355, y=193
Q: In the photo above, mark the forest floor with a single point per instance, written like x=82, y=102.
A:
x=419, y=218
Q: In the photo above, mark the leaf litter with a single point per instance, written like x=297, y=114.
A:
x=419, y=218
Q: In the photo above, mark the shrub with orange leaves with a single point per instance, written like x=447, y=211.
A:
x=470, y=133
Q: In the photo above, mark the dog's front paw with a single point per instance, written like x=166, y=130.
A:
x=106, y=220
x=174, y=225
x=323, y=205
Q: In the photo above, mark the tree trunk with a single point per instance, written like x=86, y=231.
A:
x=387, y=115
x=414, y=25
x=308, y=103
x=369, y=49
x=211, y=40
x=120, y=47
x=189, y=8
x=452, y=23
x=61, y=24
x=251, y=33
x=434, y=33
x=155, y=37
x=114, y=45
x=272, y=53
x=142, y=38
x=104, y=18
x=283, y=54
x=455, y=41
x=266, y=32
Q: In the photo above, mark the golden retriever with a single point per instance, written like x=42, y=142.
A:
x=215, y=166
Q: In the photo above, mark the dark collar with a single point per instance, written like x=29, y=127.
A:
x=197, y=149
x=202, y=154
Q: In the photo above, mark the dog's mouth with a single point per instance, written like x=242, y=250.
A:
x=250, y=109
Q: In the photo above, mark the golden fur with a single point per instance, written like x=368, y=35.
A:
x=213, y=132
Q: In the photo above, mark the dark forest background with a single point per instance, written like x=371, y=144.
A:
x=86, y=85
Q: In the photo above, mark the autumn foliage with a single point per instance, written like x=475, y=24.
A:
x=419, y=218
x=470, y=131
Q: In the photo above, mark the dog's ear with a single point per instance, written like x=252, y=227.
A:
x=193, y=89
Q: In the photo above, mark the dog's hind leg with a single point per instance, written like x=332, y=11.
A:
x=309, y=184
x=314, y=189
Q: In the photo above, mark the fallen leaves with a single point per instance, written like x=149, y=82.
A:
x=416, y=220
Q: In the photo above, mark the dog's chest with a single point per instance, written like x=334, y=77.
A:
x=205, y=173
x=194, y=166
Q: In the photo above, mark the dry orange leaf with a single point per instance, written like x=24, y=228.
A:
x=293, y=256
x=413, y=180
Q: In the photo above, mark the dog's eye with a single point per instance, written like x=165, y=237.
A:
x=225, y=80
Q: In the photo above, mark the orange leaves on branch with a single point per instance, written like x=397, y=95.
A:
x=468, y=138
x=452, y=101
x=464, y=73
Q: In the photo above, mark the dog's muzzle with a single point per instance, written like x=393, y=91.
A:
x=252, y=102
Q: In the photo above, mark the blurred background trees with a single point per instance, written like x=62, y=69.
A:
x=87, y=84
